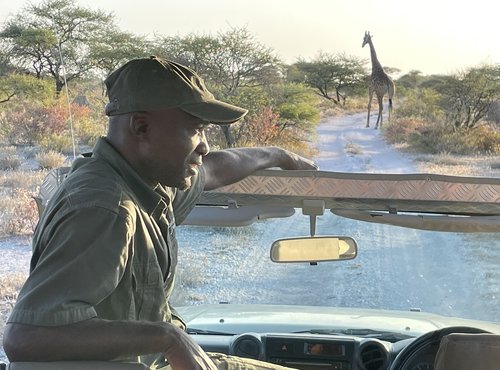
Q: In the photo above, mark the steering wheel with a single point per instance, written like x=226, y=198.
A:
x=424, y=343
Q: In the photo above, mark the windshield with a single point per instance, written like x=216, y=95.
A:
x=396, y=268
x=447, y=273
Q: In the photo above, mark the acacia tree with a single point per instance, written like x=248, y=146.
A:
x=21, y=85
x=332, y=76
x=119, y=48
x=228, y=62
x=53, y=39
x=195, y=51
x=468, y=95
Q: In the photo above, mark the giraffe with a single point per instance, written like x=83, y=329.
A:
x=380, y=84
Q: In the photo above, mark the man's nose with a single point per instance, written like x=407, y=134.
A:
x=203, y=147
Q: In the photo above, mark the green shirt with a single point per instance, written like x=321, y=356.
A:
x=105, y=246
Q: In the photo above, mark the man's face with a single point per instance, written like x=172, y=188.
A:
x=175, y=147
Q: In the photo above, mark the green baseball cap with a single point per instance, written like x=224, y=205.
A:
x=154, y=83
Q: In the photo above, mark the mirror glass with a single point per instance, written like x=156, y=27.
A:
x=314, y=249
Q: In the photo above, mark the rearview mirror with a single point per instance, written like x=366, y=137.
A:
x=314, y=249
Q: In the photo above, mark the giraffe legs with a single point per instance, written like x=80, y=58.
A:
x=370, y=97
x=380, y=100
x=390, y=110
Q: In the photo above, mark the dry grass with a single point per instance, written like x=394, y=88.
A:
x=351, y=148
x=9, y=159
x=18, y=211
x=446, y=164
x=22, y=179
x=51, y=159
x=10, y=285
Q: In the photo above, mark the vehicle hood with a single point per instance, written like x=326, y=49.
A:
x=237, y=319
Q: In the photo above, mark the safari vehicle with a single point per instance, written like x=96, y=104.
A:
x=343, y=260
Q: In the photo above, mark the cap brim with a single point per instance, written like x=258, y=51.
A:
x=215, y=111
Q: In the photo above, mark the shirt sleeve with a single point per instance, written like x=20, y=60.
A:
x=85, y=252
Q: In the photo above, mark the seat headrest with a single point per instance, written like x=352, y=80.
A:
x=460, y=351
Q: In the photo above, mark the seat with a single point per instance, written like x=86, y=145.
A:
x=76, y=365
x=49, y=186
x=460, y=351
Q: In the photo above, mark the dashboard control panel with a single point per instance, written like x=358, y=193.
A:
x=310, y=353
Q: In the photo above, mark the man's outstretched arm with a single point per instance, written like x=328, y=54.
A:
x=231, y=165
x=104, y=340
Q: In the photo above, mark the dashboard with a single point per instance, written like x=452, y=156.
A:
x=335, y=352
x=304, y=351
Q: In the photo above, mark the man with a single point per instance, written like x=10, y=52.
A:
x=104, y=251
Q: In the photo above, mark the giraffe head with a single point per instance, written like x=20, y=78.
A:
x=366, y=39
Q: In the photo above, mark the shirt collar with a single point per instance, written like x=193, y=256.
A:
x=145, y=193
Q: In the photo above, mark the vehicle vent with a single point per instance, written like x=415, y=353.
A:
x=247, y=346
x=373, y=356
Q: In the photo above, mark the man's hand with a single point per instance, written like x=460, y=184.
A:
x=296, y=162
x=227, y=166
x=184, y=353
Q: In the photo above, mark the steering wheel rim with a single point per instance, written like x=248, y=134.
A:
x=432, y=337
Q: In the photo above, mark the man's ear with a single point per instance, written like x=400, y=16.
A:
x=139, y=124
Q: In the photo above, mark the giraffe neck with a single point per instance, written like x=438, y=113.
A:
x=376, y=66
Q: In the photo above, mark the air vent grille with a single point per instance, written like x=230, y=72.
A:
x=248, y=347
x=373, y=356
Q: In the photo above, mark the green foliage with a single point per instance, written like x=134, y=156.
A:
x=332, y=76
x=119, y=48
x=296, y=104
x=61, y=143
x=411, y=80
x=446, y=114
x=420, y=104
x=228, y=61
x=468, y=95
x=17, y=86
x=252, y=98
x=39, y=34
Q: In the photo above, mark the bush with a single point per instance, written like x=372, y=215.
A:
x=400, y=129
x=48, y=125
x=435, y=138
x=57, y=142
x=9, y=159
x=86, y=125
x=19, y=213
x=485, y=139
x=261, y=130
x=51, y=159
x=420, y=104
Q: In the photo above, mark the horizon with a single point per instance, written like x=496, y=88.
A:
x=405, y=37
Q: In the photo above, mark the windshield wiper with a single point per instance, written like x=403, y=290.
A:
x=364, y=333
x=205, y=332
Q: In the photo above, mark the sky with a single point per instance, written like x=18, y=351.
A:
x=431, y=36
